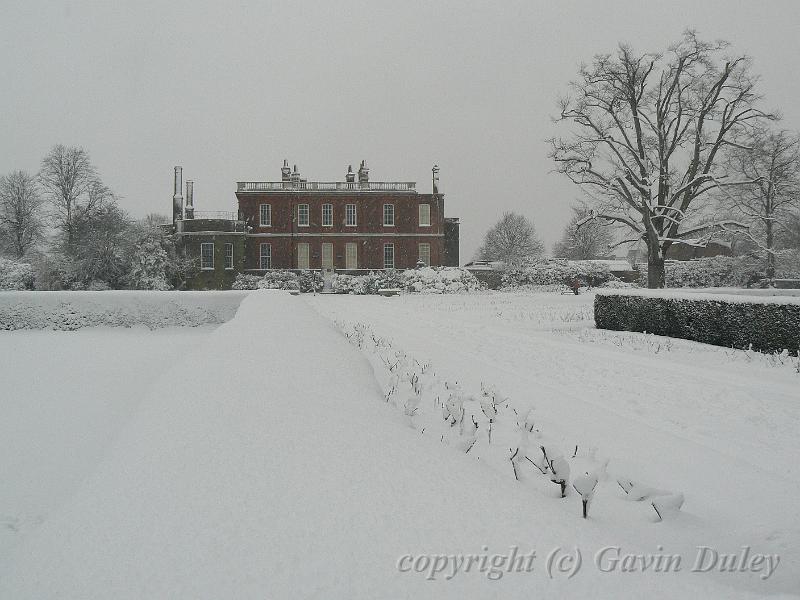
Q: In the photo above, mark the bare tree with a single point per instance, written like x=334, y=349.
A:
x=512, y=240
x=582, y=239
x=772, y=162
x=21, y=213
x=73, y=187
x=647, y=135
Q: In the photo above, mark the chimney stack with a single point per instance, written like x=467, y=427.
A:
x=295, y=177
x=285, y=171
x=435, y=172
x=350, y=177
x=363, y=173
x=190, y=200
x=177, y=198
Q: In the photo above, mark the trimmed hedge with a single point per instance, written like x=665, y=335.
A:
x=766, y=324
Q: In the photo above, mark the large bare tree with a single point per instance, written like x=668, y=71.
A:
x=21, y=213
x=582, y=239
x=73, y=187
x=511, y=240
x=647, y=135
x=772, y=162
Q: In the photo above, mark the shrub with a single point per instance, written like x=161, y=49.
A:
x=766, y=323
x=309, y=281
x=245, y=281
x=15, y=275
x=558, y=272
x=280, y=279
x=726, y=271
x=443, y=280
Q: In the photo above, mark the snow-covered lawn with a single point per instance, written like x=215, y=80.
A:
x=261, y=459
x=65, y=397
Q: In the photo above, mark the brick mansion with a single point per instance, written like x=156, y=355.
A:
x=350, y=226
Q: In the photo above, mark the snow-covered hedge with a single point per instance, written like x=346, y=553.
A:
x=444, y=280
x=763, y=323
x=280, y=279
x=75, y=310
x=726, y=271
x=15, y=275
x=427, y=280
x=558, y=272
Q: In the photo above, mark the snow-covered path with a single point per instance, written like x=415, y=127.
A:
x=265, y=465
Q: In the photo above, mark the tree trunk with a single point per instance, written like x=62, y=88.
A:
x=770, y=253
x=655, y=268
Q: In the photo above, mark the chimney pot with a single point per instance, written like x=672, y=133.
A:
x=177, y=198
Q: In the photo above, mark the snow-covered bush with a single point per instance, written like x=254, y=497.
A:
x=765, y=324
x=585, y=485
x=280, y=279
x=726, y=271
x=558, y=272
x=245, y=281
x=309, y=281
x=15, y=275
x=149, y=262
x=442, y=280
x=617, y=285
x=429, y=280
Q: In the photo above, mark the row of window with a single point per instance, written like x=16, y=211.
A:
x=351, y=218
x=350, y=255
x=207, y=256
x=265, y=256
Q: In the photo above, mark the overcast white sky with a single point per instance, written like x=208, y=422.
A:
x=228, y=90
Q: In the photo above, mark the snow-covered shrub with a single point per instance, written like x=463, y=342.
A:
x=441, y=280
x=309, y=281
x=765, y=324
x=558, y=272
x=278, y=280
x=15, y=275
x=667, y=505
x=726, y=271
x=585, y=485
x=149, y=262
x=617, y=285
x=245, y=281
x=428, y=280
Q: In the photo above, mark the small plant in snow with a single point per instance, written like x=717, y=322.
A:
x=585, y=485
x=559, y=470
x=667, y=505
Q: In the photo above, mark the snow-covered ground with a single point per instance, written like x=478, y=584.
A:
x=262, y=460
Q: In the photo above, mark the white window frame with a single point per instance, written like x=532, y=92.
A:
x=427, y=209
x=428, y=251
x=326, y=264
x=228, y=257
x=388, y=264
x=350, y=210
x=299, y=217
x=265, y=215
x=327, y=222
x=265, y=257
x=388, y=213
x=305, y=246
x=203, y=265
x=351, y=256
